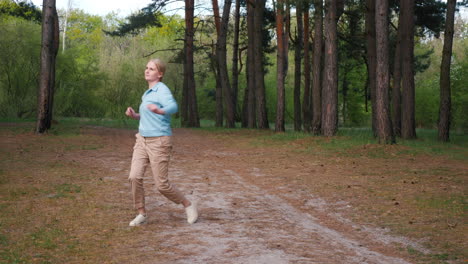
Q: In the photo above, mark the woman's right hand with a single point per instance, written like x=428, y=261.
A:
x=130, y=112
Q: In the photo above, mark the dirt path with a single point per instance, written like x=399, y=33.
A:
x=246, y=214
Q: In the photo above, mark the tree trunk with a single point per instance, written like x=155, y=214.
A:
x=223, y=71
x=306, y=98
x=235, y=59
x=384, y=123
x=217, y=17
x=445, y=104
x=371, y=57
x=297, y=67
x=330, y=78
x=408, y=123
x=396, y=90
x=49, y=49
x=250, y=98
x=215, y=65
x=219, y=92
x=262, y=115
x=287, y=33
x=191, y=115
x=280, y=102
x=344, y=91
x=64, y=36
x=184, y=104
x=317, y=66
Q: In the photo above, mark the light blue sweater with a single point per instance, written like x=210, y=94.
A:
x=155, y=125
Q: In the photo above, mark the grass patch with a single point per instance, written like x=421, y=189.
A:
x=449, y=205
x=46, y=238
x=65, y=190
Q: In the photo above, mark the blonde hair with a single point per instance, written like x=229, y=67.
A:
x=160, y=65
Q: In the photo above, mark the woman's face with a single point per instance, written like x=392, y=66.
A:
x=151, y=72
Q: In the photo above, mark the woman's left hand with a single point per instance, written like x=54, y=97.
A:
x=154, y=108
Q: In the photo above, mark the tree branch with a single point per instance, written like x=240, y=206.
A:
x=159, y=51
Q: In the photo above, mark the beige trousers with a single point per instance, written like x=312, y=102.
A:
x=155, y=151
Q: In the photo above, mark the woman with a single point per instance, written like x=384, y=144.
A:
x=154, y=145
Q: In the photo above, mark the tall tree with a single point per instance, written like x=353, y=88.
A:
x=235, y=57
x=249, y=108
x=384, y=124
x=408, y=123
x=371, y=56
x=215, y=66
x=297, y=66
x=396, y=89
x=64, y=36
x=223, y=71
x=306, y=97
x=445, y=104
x=280, y=69
x=262, y=116
x=330, y=77
x=49, y=49
x=429, y=18
x=219, y=115
x=317, y=69
x=189, y=107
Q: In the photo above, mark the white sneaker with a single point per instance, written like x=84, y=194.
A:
x=139, y=220
x=192, y=213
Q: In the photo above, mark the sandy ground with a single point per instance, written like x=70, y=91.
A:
x=247, y=215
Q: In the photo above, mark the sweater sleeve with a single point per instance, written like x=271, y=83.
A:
x=169, y=104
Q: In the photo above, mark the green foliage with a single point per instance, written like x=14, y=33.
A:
x=146, y=17
x=77, y=84
x=460, y=90
x=84, y=31
x=79, y=76
x=428, y=86
x=427, y=101
x=23, y=9
x=422, y=57
x=19, y=67
x=430, y=16
x=123, y=88
x=355, y=114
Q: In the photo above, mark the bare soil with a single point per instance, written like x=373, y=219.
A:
x=273, y=203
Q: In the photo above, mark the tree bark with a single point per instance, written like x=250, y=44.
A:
x=249, y=97
x=280, y=60
x=408, y=123
x=217, y=17
x=215, y=66
x=371, y=57
x=49, y=49
x=297, y=67
x=223, y=70
x=344, y=91
x=191, y=109
x=396, y=90
x=384, y=123
x=306, y=98
x=330, y=78
x=235, y=59
x=445, y=104
x=317, y=69
x=287, y=33
x=262, y=115
x=219, y=92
